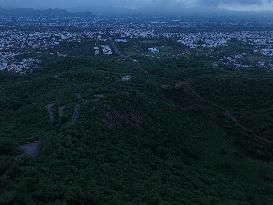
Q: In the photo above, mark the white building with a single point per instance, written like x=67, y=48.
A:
x=153, y=50
x=97, y=50
x=106, y=50
x=126, y=78
x=121, y=40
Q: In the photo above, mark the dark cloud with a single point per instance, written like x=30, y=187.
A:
x=216, y=2
x=135, y=3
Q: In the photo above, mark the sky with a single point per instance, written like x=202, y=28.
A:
x=236, y=5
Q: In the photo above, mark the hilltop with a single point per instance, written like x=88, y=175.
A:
x=23, y=12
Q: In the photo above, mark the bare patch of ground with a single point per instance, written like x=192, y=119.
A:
x=30, y=149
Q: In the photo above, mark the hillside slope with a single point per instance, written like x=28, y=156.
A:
x=169, y=136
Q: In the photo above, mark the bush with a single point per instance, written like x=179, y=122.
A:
x=7, y=147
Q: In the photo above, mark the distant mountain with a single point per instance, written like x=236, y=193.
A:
x=45, y=12
x=171, y=11
x=144, y=11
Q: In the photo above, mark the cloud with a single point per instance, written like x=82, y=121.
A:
x=226, y=4
x=262, y=5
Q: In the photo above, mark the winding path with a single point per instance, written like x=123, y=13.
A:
x=117, y=51
x=227, y=113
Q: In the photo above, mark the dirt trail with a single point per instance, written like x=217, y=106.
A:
x=76, y=112
x=227, y=113
x=50, y=110
x=117, y=51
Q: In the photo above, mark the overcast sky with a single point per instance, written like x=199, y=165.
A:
x=248, y=5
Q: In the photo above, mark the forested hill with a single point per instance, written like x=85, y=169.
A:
x=23, y=12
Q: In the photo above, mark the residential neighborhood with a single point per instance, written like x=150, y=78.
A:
x=20, y=49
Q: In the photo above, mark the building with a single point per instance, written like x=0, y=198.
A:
x=106, y=50
x=121, y=40
x=153, y=50
x=126, y=78
x=97, y=50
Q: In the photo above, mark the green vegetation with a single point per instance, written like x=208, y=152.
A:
x=182, y=133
